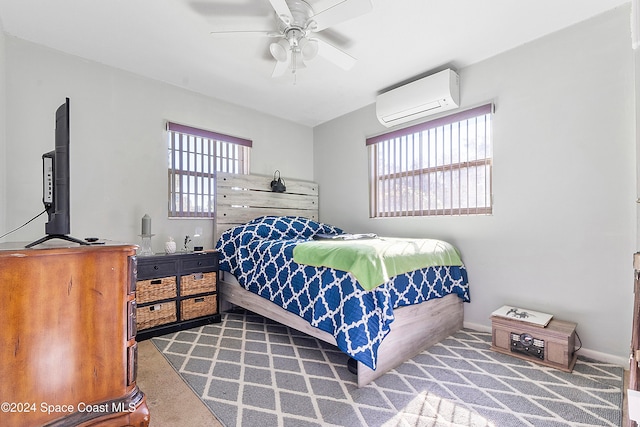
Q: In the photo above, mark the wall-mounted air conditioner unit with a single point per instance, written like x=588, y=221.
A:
x=429, y=95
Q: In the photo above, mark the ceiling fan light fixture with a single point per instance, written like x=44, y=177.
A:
x=309, y=48
x=280, y=50
x=296, y=21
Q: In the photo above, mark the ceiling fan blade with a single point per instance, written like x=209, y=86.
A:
x=244, y=32
x=264, y=33
x=282, y=10
x=343, y=11
x=229, y=8
x=335, y=55
x=280, y=68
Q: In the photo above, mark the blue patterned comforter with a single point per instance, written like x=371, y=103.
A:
x=260, y=255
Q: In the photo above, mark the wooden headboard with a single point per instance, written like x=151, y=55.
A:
x=241, y=198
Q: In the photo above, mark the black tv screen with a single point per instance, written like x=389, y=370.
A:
x=57, y=204
x=55, y=182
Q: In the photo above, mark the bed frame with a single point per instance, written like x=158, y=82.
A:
x=241, y=198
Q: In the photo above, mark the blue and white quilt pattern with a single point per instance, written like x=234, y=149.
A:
x=260, y=255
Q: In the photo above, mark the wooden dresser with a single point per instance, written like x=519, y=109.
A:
x=68, y=349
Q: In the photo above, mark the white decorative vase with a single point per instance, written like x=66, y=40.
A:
x=170, y=246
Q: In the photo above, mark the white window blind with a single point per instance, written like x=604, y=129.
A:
x=194, y=157
x=439, y=167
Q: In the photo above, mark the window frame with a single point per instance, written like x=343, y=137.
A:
x=402, y=143
x=205, y=153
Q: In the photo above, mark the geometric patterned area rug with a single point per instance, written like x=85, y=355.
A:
x=251, y=371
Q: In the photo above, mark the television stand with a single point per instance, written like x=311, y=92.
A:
x=57, y=236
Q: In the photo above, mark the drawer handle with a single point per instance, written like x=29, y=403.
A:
x=155, y=267
x=201, y=299
x=198, y=276
x=155, y=307
x=156, y=281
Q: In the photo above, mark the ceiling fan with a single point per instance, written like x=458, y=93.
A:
x=297, y=24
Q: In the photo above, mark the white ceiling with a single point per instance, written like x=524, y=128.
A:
x=170, y=40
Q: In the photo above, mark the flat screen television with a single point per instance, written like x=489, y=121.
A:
x=55, y=183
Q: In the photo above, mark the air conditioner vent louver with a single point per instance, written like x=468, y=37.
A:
x=429, y=95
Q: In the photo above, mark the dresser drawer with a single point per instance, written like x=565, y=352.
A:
x=156, y=289
x=199, y=262
x=157, y=314
x=156, y=268
x=198, y=283
x=197, y=307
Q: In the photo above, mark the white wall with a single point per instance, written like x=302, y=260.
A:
x=3, y=156
x=118, y=145
x=563, y=231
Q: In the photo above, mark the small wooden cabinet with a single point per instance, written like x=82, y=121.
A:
x=176, y=292
x=68, y=346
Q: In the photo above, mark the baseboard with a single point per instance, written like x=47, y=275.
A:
x=477, y=327
x=605, y=357
x=591, y=354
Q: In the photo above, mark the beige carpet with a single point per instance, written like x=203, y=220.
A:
x=171, y=402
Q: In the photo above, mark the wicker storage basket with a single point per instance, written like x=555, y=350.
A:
x=157, y=314
x=197, y=283
x=198, y=307
x=155, y=289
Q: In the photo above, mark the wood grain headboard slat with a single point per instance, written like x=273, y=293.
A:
x=241, y=198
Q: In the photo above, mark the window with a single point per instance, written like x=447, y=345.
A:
x=194, y=156
x=440, y=167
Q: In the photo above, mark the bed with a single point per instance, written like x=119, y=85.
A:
x=376, y=327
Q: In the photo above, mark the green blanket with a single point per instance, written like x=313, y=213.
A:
x=374, y=261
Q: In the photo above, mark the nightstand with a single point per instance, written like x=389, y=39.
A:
x=176, y=292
